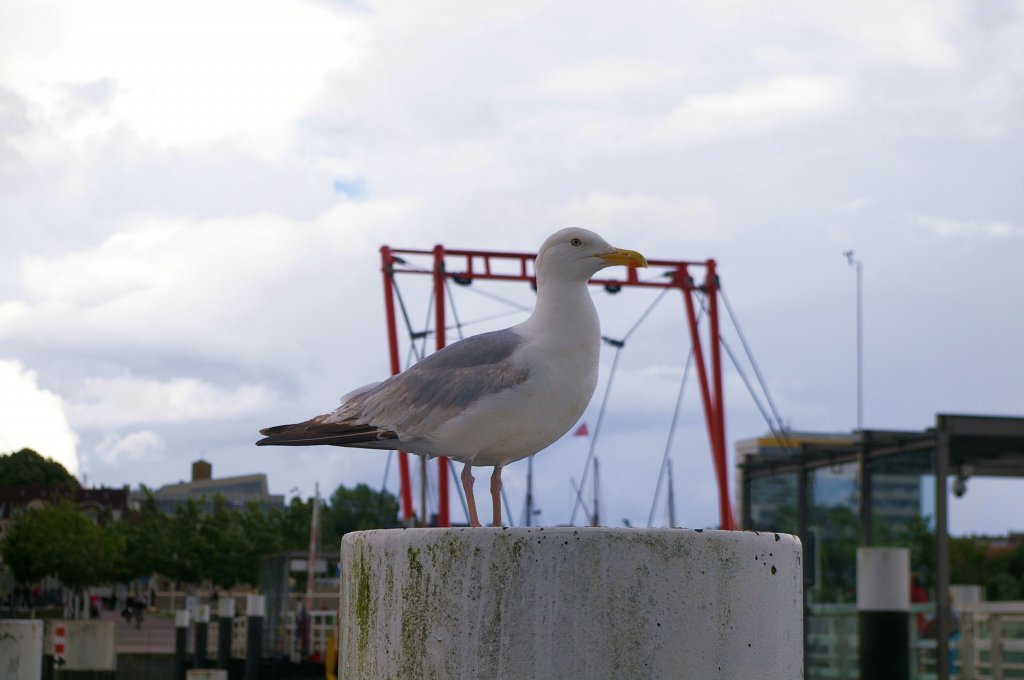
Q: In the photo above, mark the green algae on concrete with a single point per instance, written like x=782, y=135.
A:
x=569, y=602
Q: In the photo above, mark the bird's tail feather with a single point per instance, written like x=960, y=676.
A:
x=315, y=432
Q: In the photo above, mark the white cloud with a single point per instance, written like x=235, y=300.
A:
x=687, y=218
x=189, y=72
x=752, y=107
x=604, y=77
x=117, y=402
x=947, y=228
x=142, y=446
x=200, y=287
x=33, y=417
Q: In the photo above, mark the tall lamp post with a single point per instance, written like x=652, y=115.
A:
x=864, y=509
x=856, y=263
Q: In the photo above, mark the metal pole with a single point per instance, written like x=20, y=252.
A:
x=201, y=636
x=225, y=617
x=396, y=367
x=671, y=498
x=864, y=498
x=860, y=350
x=180, y=644
x=883, y=612
x=255, y=606
x=718, y=398
x=443, y=511
x=941, y=463
x=856, y=264
x=529, y=491
x=802, y=530
x=705, y=394
x=314, y=530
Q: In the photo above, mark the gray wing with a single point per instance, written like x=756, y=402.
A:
x=413, y=404
x=441, y=386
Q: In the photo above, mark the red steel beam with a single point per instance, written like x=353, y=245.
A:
x=388, y=262
x=707, y=399
x=718, y=402
x=443, y=518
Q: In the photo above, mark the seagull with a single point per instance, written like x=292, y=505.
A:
x=489, y=399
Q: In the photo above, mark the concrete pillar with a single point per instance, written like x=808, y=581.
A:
x=883, y=609
x=255, y=610
x=570, y=603
x=21, y=649
x=181, y=622
x=225, y=617
x=202, y=636
x=88, y=646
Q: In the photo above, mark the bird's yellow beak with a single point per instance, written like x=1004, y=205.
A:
x=630, y=258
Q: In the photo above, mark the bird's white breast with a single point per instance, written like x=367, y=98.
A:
x=561, y=355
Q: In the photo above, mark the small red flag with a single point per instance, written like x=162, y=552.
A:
x=581, y=431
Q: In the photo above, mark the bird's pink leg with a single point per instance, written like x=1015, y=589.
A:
x=496, y=495
x=467, y=485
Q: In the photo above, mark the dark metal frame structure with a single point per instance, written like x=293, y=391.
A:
x=959, y=446
x=465, y=266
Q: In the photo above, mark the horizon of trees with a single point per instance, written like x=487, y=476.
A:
x=223, y=545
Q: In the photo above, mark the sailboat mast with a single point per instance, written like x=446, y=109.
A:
x=671, y=498
x=314, y=530
x=529, y=491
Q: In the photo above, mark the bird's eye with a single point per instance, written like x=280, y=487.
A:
x=576, y=242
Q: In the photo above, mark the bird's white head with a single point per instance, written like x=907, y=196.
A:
x=578, y=254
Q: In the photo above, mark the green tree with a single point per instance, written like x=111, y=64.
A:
x=59, y=540
x=295, y=521
x=263, y=534
x=187, y=547
x=26, y=467
x=146, y=538
x=221, y=532
x=358, y=509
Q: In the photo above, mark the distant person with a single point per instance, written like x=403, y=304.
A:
x=918, y=595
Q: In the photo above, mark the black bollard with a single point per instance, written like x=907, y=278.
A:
x=255, y=607
x=883, y=610
x=202, y=635
x=225, y=617
x=180, y=644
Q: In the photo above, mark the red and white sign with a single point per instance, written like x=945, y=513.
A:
x=58, y=643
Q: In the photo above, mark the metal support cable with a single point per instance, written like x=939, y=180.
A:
x=753, y=363
x=578, y=492
x=618, y=344
x=413, y=335
x=458, y=489
x=384, y=484
x=508, y=508
x=646, y=313
x=597, y=431
x=671, y=436
x=426, y=325
x=777, y=432
x=750, y=388
x=455, y=312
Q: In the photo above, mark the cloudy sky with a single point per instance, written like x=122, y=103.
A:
x=193, y=195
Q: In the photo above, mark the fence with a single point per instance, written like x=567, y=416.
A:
x=988, y=643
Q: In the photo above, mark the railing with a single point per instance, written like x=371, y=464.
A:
x=992, y=640
x=987, y=645
x=321, y=626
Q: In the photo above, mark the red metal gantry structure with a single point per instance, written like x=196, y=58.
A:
x=477, y=264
